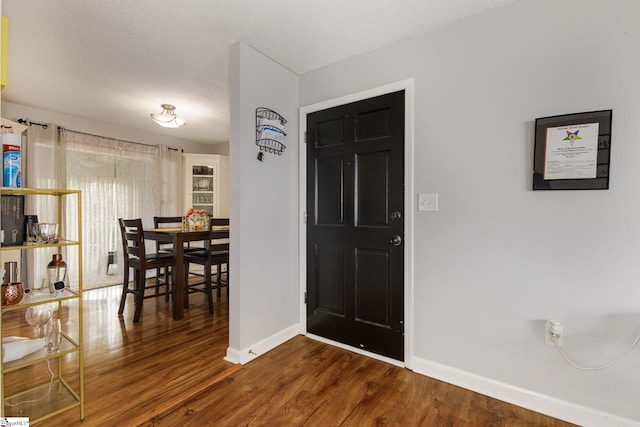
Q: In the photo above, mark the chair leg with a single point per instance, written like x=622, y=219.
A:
x=139, y=286
x=125, y=290
x=228, y=281
x=219, y=280
x=158, y=274
x=186, y=284
x=208, y=288
x=168, y=286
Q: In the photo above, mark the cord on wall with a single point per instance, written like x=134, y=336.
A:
x=594, y=368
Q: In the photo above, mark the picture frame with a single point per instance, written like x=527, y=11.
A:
x=573, y=151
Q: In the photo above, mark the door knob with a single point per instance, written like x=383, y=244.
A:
x=396, y=240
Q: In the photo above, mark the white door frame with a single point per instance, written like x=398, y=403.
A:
x=409, y=205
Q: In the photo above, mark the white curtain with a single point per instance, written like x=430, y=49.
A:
x=44, y=169
x=117, y=179
x=170, y=182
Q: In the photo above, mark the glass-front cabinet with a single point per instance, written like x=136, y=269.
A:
x=206, y=183
x=202, y=178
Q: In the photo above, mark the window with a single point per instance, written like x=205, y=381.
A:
x=117, y=179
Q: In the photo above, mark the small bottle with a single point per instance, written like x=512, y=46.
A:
x=57, y=274
x=11, y=157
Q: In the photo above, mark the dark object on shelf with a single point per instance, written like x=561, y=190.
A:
x=13, y=225
x=270, y=131
x=58, y=286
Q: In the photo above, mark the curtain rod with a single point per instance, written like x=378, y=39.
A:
x=60, y=128
x=29, y=123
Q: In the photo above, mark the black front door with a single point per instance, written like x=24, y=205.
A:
x=355, y=224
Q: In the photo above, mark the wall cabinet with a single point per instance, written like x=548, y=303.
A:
x=46, y=382
x=206, y=182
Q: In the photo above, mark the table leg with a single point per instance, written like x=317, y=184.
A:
x=178, y=277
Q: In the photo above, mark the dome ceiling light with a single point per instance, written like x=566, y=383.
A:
x=167, y=118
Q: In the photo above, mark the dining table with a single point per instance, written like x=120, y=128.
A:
x=179, y=237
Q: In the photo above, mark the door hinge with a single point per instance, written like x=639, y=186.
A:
x=305, y=217
x=305, y=297
x=305, y=136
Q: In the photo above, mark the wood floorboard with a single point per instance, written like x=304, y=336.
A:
x=162, y=372
x=132, y=369
x=307, y=383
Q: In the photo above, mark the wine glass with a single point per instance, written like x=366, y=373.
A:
x=37, y=316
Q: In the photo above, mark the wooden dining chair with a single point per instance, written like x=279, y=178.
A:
x=164, y=248
x=166, y=222
x=136, y=257
x=216, y=252
x=221, y=281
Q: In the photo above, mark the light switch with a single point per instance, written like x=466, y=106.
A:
x=428, y=202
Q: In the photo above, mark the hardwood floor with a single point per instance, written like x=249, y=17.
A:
x=162, y=372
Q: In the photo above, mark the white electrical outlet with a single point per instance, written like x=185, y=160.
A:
x=553, y=329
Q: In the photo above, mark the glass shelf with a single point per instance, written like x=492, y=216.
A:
x=42, y=402
x=37, y=191
x=37, y=297
x=49, y=245
x=66, y=346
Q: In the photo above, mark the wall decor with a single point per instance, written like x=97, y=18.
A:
x=572, y=151
x=270, y=132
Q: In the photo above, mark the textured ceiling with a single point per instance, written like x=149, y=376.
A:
x=118, y=60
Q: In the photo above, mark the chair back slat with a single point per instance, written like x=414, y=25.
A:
x=167, y=221
x=132, y=238
x=215, y=244
x=219, y=222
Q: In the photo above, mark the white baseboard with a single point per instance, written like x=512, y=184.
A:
x=537, y=402
x=248, y=354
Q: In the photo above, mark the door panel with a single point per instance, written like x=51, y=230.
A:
x=372, y=124
x=372, y=288
x=330, y=181
x=330, y=132
x=372, y=183
x=355, y=180
x=331, y=283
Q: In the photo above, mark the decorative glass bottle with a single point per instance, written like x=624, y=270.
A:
x=57, y=274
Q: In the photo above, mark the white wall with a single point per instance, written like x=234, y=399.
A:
x=498, y=259
x=263, y=300
x=13, y=111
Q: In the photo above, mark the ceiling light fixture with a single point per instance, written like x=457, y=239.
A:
x=168, y=118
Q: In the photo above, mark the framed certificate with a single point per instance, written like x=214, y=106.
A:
x=572, y=151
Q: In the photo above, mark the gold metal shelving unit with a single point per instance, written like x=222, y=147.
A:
x=42, y=401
